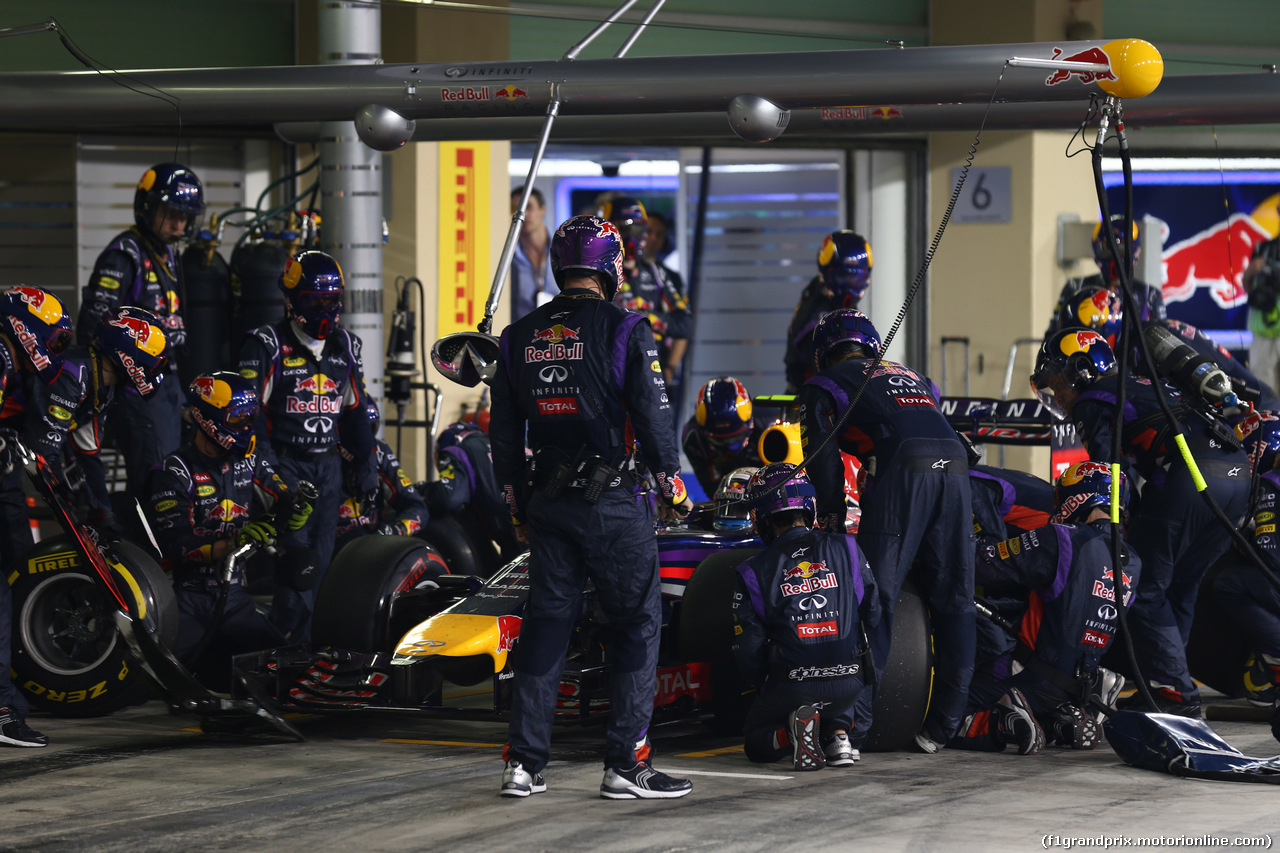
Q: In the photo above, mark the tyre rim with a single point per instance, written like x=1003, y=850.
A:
x=65, y=627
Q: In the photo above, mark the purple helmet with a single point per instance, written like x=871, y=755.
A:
x=844, y=262
x=843, y=326
x=590, y=244
x=780, y=488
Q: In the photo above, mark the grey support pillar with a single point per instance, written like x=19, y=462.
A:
x=350, y=33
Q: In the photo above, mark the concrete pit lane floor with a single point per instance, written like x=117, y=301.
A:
x=143, y=780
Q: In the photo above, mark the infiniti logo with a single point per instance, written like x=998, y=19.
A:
x=455, y=71
x=1107, y=612
x=813, y=602
x=553, y=373
x=318, y=424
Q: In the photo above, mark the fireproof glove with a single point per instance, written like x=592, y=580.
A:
x=260, y=533
x=298, y=519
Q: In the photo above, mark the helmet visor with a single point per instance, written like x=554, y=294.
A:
x=59, y=340
x=1043, y=392
x=318, y=304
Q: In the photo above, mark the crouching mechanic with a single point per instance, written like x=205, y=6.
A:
x=200, y=509
x=1174, y=531
x=467, y=481
x=1056, y=589
x=918, y=501
x=800, y=612
x=393, y=508
x=603, y=410
x=309, y=376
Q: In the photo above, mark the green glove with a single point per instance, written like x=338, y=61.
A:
x=260, y=533
x=301, y=512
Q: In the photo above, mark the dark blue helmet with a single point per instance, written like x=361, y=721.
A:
x=844, y=262
x=133, y=340
x=1102, y=249
x=1260, y=432
x=780, y=488
x=38, y=326
x=1081, y=356
x=173, y=186
x=312, y=285
x=1094, y=308
x=224, y=406
x=629, y=217
x=732, y=510
x=588, y=244
x=843, y=326
x=724, y=409
x=1082, y=488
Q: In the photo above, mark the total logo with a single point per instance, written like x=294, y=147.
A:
x=806, y=630
x=228, y=510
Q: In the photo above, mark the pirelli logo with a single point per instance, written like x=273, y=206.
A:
x=54, y=562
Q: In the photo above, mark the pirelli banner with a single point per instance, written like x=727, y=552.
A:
x=464, y=273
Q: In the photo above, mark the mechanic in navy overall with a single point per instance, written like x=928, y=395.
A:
x=583, y=376
x=1056, y=586
x=127, y=356
x=34, y=336
x=468, y=482
x=801, y=610
x=1174, y=532
x=394, y=507
x=647, y=288
x=721, y=435
x=202, y=506
x=917, y=502
x=308, y=374
x=1150, y=297
x=844, y=274
x=140, y=268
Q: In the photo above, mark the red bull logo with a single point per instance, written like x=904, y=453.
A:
x=149, y=338
x=813, y=577
x=508, y=630
x=478, y=93
x=30, y=344
x=1093, y=55
x=43, y=305
x=804, y=570
x=884, y=112
x=1215, y=259
x=556, y=334
x=348, y=509
x=204, y=386
x=510, y=93
x=317, y=384
x=228, y=510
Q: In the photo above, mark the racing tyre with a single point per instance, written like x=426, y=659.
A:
x=903, y=697
x=706, y=634
x=356, y=605
x=68, y=657
x=461, y=552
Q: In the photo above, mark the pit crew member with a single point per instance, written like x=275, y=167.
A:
x=844, y=274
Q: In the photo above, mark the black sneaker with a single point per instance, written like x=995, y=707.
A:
x=519, y=782
x=806, y=751
x=1261, y=673
x=16, y=732
x=1071, y=727
x=641, y=782
x=1015, y=724
x=1165, y=704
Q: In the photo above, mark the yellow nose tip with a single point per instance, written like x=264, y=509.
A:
x=1138, y=67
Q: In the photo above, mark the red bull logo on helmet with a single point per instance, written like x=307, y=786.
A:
x=1079, y=342
x=30, y=344
x=1093, y=55
x=44, y=306
x=204, y=386
x=149, y=338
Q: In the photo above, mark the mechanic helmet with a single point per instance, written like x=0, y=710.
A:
x=844, y=262
x=780, y=488
x=1102, y=249
x=38, y=326
x=1082, y=488
x=225, y=408
x=1094, y=308
x=1081, y=356
x=629, y=217
x=170, y=186
x=589, y=244
x=133, y=340
x=733, y=512
x=843, y=326
x=1260, y=432
x=312, y=285
x=453, y=435
x=724, y=411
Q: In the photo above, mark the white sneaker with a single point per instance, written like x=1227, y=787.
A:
x=840, y=753
x=518, y=782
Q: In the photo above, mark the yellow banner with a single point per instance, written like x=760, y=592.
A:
x=464, y=273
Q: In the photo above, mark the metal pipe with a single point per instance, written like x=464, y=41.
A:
x=50, y=24
x=246, y=96
x=572, y=53
x=631, y=39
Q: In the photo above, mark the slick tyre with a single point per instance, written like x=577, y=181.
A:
x=356, y=606
x=903, y=697
x=463, y=553
x=705, y=633
x=68, y=657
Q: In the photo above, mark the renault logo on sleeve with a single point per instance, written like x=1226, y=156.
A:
x=553, y=373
